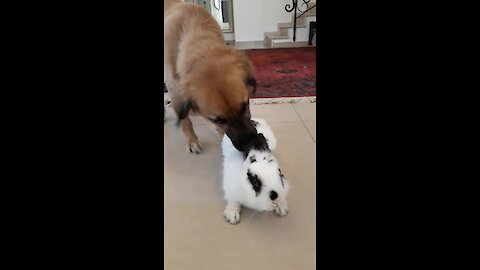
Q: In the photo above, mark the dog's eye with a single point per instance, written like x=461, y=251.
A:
x=219, y=121
x=244, y=108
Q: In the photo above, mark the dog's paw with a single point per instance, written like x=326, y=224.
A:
x=194, y=147
x=167, y=102
x=282, y=210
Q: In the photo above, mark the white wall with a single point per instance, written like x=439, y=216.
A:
x=252, y=18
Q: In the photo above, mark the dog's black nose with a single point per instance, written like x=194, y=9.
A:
x=273, y=195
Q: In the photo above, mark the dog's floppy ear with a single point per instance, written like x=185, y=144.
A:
x=249, y=71
x=250, y=81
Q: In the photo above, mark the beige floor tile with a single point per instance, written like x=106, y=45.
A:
x=274, y=112
x=306, y=111
x=196, y=235
x=312, y=129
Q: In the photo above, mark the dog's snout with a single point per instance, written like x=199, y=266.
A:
x=242, y=134
x=241, y=141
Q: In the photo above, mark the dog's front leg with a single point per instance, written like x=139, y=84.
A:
x=220, y=133
x=193, y=145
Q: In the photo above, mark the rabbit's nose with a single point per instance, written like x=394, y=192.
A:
x=273, y=195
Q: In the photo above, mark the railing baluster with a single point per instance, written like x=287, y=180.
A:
x=294, y=7
x=295, y=21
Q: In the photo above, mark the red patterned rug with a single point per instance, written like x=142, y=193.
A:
x=284, y=72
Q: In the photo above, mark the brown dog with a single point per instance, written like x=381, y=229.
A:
x=204, y=76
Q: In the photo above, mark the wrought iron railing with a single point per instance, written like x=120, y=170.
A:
x=298, y=9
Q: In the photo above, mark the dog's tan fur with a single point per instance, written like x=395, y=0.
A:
x=202, y=74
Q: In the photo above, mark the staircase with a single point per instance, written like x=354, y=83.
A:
x=283, y=38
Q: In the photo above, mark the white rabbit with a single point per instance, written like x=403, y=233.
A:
x=263, y=128
x=254, y=181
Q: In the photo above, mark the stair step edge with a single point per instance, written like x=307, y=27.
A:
x=276, y=36
x=279, y=37
x=290, y=25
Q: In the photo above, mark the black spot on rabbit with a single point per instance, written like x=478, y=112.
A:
x=255, y=181
x=253, y=159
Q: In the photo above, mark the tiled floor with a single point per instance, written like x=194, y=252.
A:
x=196, y=234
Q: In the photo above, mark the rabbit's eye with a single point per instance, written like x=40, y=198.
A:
x=273, y=195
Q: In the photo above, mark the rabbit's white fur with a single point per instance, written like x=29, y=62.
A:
x=259, y=167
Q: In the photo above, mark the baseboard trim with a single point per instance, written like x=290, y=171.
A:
x=283, y=100
x=261, y=101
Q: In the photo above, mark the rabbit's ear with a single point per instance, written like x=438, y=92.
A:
x=282, y=177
